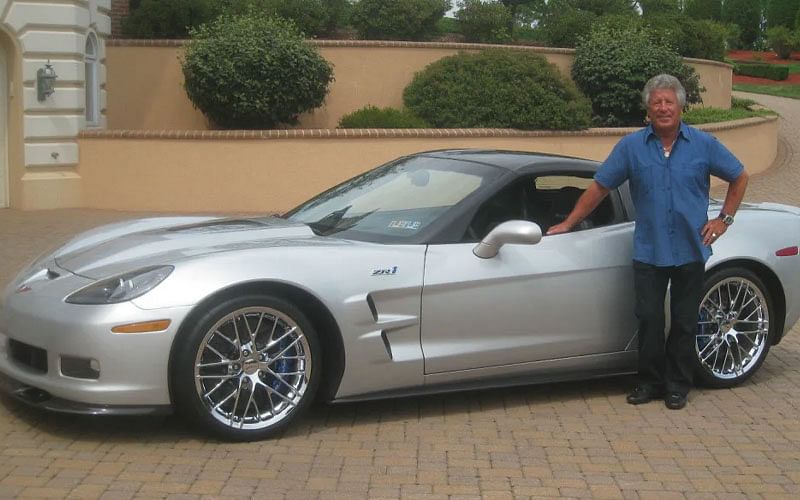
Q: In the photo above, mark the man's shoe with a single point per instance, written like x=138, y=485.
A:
x=644, y=394
x=675, y=400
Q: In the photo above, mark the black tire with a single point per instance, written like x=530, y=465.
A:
x=741, y=330
x=277, y=369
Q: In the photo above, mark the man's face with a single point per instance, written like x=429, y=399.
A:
x=664, y=110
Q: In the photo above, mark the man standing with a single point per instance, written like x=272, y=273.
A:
x=668, y=165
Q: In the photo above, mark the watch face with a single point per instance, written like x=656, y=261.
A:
x=727, y=220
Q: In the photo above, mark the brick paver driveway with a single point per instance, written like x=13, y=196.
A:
x=570, y=440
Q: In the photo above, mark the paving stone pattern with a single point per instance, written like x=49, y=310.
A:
x=578, y=440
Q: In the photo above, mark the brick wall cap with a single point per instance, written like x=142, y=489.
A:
x=314, y=134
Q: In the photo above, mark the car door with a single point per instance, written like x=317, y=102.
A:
x=568, y=296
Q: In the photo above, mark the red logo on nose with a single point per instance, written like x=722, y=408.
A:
x=23, y=289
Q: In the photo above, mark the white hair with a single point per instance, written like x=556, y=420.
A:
x=664, y=81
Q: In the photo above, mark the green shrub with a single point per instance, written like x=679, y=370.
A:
x=564, y=28
x=612, y=65
x=485, y=22
x=502, y=88
x=398, y=19
x=696, y=116
x=771, y=71
x=738, y=102
x=252, y=71
x=733, y=36
x=782, y=41
x=168, y=18
x=372, y=117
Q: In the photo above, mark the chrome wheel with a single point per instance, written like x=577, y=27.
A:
x=733, y=328
x=253, y=368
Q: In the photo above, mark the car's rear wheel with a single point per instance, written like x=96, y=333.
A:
x=735, y=327
x=247, y=368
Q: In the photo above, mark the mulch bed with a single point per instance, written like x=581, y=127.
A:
x=767, y=57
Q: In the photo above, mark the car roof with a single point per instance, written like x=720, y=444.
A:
x=510, y=160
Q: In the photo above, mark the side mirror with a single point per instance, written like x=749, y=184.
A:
x=520, y=232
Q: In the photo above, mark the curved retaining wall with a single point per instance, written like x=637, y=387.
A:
x=145, y=88
x=274, y=170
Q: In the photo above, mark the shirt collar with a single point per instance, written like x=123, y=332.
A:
x=683, y=131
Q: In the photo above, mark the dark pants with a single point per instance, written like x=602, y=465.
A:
x=667, y=364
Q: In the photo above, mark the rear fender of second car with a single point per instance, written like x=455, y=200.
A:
x=762, y=240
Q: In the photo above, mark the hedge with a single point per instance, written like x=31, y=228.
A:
x=771, y=71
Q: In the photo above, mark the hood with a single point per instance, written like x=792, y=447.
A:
x=163, y=241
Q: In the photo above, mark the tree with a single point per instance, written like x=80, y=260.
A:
x=782, y=13
x=513, y=7
x=605, y=7
x=656, y=7
x=746, y=14
x=703, y=9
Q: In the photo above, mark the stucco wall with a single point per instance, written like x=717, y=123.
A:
x=146, y=90
x=207, y=172
x=46, y=131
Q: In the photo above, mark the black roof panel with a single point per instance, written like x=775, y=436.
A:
x=511, y=160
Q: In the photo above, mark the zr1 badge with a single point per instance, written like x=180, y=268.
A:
x=389, y=271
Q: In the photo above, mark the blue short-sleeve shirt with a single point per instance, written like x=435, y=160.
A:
x=670, y=194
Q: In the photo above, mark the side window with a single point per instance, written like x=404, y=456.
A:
x=554, y=197
x=544, y=199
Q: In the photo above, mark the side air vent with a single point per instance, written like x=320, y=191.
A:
x=372, y=308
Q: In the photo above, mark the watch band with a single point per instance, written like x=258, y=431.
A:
x=726, y=219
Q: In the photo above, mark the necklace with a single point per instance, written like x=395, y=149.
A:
x=668, y=149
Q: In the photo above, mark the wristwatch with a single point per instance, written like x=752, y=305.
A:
x=726, y=219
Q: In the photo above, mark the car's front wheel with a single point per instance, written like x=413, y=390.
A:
x=247, y=368
x=735, y=327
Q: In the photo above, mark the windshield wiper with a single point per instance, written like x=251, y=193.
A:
x=327, y=224
x=323, y=228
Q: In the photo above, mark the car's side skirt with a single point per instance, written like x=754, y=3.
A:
x=533, y=373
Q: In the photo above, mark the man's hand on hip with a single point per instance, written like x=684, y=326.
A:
x=713, y=230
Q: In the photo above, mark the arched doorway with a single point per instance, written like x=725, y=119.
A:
x=4, y=196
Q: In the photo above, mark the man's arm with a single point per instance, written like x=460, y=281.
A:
x=715, y=227
x=588, y=201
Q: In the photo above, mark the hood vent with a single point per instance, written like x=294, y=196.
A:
x=218, y=226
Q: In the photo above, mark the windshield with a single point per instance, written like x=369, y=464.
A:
x=395, y=201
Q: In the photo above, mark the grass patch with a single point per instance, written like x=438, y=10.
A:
x=698, y=116
x=792, y=91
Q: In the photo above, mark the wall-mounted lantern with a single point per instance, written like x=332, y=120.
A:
x=45, y=81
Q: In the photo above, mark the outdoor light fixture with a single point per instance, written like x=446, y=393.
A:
x=45, y=81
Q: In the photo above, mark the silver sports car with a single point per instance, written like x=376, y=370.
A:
x=427, y=274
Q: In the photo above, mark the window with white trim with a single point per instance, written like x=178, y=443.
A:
x=92, y=82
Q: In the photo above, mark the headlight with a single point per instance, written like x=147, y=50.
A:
x=121, y=288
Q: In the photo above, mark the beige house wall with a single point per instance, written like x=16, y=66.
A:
x=14, y=109
x=214, y=174
x=146, y=90
x=41, y=138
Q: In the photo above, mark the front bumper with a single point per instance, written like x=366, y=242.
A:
x=39, y=398
x=133, y=369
